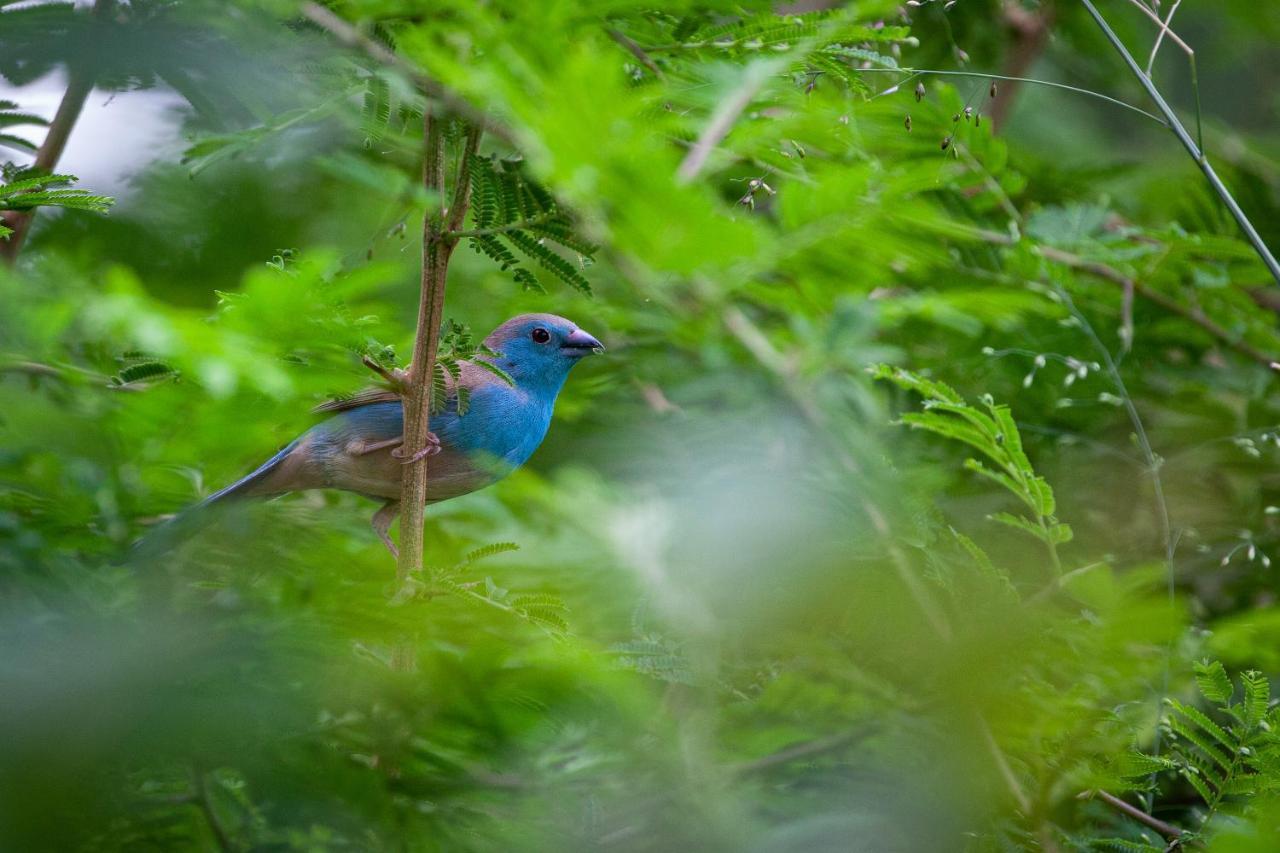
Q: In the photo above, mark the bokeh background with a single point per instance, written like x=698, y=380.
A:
x=741, y=608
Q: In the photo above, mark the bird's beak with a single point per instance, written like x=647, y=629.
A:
x=578, y=343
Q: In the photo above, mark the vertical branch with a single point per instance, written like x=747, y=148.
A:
x=80, y=77
x=437, y=246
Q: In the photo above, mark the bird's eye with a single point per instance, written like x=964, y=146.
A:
x=541, y=335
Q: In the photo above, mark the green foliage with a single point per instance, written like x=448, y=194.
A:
x=25, y=190
x=992, y=432
x=746, y=612
x=1230, y=765
x=10, y=115
x=514, y=215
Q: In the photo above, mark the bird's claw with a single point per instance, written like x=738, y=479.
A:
x=432, y=448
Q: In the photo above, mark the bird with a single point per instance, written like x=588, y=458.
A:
x=358, y=448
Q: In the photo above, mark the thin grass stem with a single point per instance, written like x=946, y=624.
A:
x=937, y=72
x=1196, y=152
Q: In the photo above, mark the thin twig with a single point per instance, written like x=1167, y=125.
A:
x=1155, y=48
x=1130, y=286
x=1164, y=28
x=1193, y=149
x=986, y=76
x=806, y=749
x=348, y=35
x=1006, y=771
x=637, y=51
x=1168, y=830
x=1153, y=463
x=394, y=381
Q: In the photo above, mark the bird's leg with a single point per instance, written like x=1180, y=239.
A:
x=359, y=447
x=381, y=523
x=432, y=448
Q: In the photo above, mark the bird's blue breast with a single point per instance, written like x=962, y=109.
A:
x=503, y=424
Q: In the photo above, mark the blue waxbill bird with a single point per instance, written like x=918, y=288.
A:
x=358, y=449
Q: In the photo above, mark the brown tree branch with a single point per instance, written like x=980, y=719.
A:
x=80, y=76
x=637, y=51
x=437, y=246
x=1168, y=830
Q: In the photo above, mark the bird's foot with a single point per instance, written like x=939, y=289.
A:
x=432, y=448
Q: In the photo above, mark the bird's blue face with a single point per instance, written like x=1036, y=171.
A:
x=538, y=350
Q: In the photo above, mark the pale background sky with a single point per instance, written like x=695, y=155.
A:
x=116, y=136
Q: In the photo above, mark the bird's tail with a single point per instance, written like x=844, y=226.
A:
x=247, y=485
x=183, y=525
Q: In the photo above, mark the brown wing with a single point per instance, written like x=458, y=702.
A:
x=360, y=398
x=385, y=395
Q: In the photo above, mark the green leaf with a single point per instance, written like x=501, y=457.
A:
x=1213, y=682
x=1257, y=695
x=1054, y=533
x=1133, y=764
x=927, y=388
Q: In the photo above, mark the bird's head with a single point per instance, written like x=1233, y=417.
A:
x=539, y=349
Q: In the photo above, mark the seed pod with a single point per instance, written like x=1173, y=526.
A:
x=955, y=119
x=907, y=124
x=993, y=88
x=946, y=142
x=968, y=113
x=977, y=120
x=919, y=92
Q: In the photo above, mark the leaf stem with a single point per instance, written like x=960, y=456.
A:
x=521, y=225
x=1152, y=465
